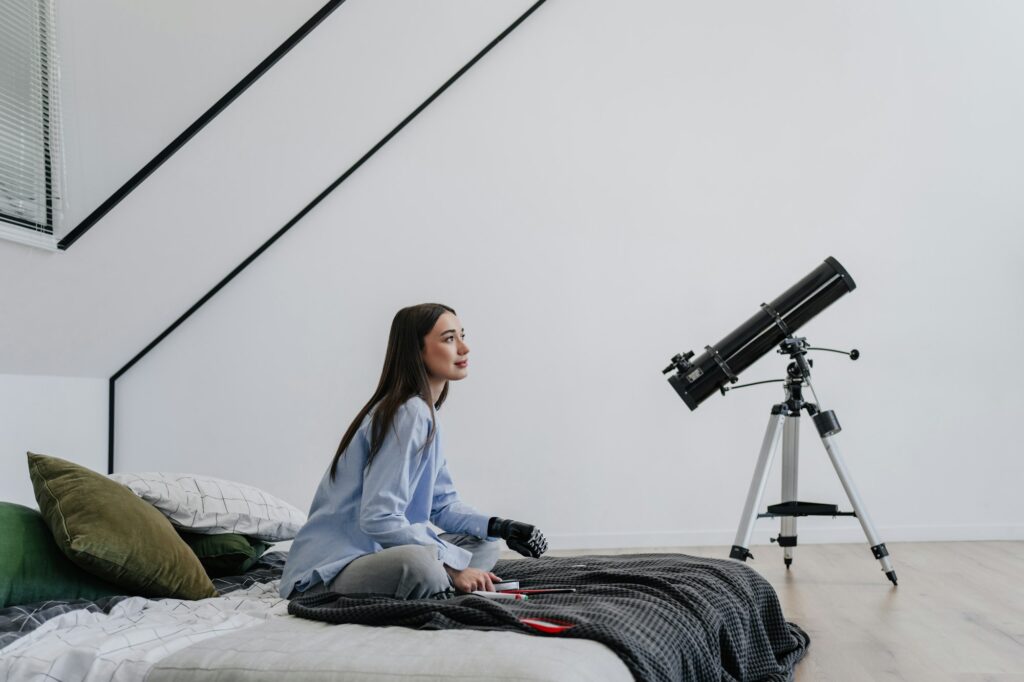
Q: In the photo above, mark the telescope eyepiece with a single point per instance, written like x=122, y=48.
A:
x=680, y=362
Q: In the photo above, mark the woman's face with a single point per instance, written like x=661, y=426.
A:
x=445, y=352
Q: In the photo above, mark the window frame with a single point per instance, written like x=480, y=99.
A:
x=15, y=228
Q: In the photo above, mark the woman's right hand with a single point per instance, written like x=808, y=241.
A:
x=471, y=579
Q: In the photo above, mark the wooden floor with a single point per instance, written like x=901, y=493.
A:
x=958, y=613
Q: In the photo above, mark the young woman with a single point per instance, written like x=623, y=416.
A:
x=368, y=526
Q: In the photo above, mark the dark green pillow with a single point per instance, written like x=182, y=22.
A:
x=32, y=567
x=105, y=529
x=225, y=553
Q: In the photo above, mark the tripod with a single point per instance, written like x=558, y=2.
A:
x=785, y=421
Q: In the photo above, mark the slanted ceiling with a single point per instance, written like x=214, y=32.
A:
x=136, y=75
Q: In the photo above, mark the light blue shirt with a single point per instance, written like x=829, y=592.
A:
x=365, y=510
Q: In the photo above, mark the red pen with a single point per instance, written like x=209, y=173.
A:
x=547, y=625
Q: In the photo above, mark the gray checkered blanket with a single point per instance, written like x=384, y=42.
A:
x=667, y=616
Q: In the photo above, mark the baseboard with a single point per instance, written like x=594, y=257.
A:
x=815, y=535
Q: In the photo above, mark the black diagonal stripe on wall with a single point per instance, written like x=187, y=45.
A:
x=299, y=216
x=200, y=123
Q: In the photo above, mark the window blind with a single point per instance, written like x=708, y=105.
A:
x=31, y=155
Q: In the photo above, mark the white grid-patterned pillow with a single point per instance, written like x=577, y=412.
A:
x=203, y=504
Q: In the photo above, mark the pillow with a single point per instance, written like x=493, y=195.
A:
x=105, y=529
x=207, y=505
x=32, y=567
x=225, y=553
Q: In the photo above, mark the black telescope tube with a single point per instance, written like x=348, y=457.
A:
x=774, y=335
x=721, y=363
x=787, y=301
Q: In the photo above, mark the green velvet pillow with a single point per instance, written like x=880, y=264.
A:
x=107, y=530
x=32, y=567
x=225, y=553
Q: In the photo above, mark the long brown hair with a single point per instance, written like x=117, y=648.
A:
x=404, y=376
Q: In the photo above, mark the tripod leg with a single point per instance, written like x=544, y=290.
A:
x=790, y=466
x=764, y=463
x=877, y=546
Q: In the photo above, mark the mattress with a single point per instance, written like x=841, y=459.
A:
x=293, y=648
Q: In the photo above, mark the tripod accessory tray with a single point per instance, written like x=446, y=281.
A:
x=804, y=509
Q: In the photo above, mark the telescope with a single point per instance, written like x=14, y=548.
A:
x=723, y=362
x=776, y=325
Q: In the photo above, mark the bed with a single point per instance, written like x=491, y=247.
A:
x=133, y=564
x=247, y=633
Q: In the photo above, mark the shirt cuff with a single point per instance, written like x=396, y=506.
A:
x=477, y=526
x=454, y=556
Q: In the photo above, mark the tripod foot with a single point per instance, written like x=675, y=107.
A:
x=741, y=553
x=891, y=575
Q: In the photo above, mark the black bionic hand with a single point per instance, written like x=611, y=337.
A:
x=520, y=537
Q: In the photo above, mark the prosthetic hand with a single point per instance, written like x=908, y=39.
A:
x=521, y=537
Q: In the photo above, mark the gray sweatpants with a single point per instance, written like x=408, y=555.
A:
x=408, y=571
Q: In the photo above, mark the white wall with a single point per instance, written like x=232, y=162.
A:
x=617, y=183
x=136, y=73
x=235, y=183
x=58, y=416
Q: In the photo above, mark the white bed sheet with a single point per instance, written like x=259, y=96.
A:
x=122, y=646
